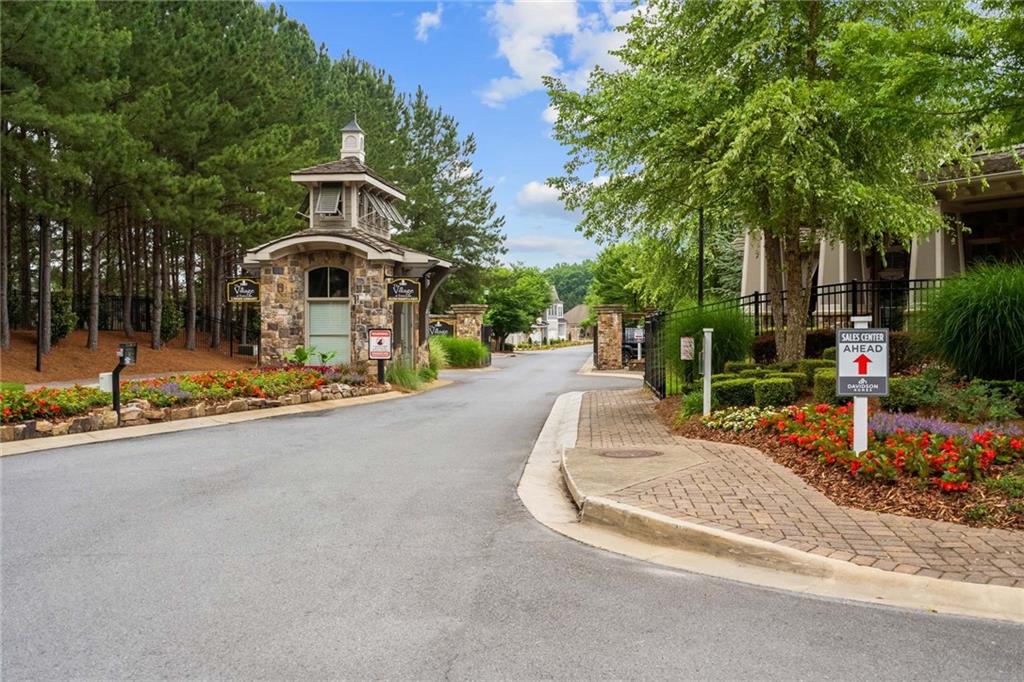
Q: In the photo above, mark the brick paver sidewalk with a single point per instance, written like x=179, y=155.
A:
x=739, y=489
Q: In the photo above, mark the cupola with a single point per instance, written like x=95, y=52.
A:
x=353, y=141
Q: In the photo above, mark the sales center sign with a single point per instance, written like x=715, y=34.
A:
x=862, y=359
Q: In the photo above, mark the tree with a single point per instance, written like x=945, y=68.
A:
x=516, y=296
x=572, y=281
x=759, y=110
x=615, y=277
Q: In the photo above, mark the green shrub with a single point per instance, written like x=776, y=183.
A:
x=774, y=392
x=906, y=350
x=427, y=374
x=825, y=387
x=799, y=379
x=437, y=353
x=829, y=353
x=788, y=366
x=720, y=377
x=62, y=315
x=975, y=322
x=402, y=373
x=908, y=394
x=731, y=341
x=737, y=366
x=463, y=352
x=693, y=403
x=734, y=393
x=976, y=402
x=759, y=373
x=764, y=351
x=810, y=366
x=1012, y=390
x=171, y=319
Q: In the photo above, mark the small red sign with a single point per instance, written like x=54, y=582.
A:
x=380, y=344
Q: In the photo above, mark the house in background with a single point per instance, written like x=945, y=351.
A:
x=554, y=319
x=989, y=204
x=574, y=329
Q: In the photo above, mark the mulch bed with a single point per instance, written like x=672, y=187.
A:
x=904, y=497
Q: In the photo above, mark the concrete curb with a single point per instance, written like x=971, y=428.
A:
x=587, y=369
x=23, y=447
x=692, y=547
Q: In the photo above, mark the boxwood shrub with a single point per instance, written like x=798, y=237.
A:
x=757, y=373
x=737, y=366
x=810, y=366
x=829, y=353
x=799, y=379
x=777, y=392
x=825, y=387
x=734, y=392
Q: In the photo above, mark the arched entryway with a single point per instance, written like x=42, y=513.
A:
x=327, y=309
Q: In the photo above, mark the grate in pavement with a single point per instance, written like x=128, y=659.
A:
x=630, y=454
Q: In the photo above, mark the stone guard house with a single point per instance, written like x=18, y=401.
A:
x=325, y=286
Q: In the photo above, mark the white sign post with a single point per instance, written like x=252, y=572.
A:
x=639, y=338
x=707, y=370
x=862, y=370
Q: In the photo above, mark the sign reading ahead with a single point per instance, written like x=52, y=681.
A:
x=403, y=290
x=444, y=327
x=686, y=348
x=862, y=359
x=380, y=344
x=243, y=290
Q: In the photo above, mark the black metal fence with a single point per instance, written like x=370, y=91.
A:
x=895, y=304
x=240, y=327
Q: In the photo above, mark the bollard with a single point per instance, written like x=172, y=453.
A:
x=706, y=356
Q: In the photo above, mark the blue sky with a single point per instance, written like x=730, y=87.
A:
x=482, y=62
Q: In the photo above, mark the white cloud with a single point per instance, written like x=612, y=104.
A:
x=550, y=114
x=427, y=21
x=528, y=35
x=538, y=198
x=556, y=248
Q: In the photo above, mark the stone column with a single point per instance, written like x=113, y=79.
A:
x=609, y=335
x=469, y=320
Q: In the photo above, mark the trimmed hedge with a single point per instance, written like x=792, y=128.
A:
x=829, y=353
x=764, y=351
x=777, y=392
x=825, y=387
x=757, y=373
x=734, y=393
x=737, y=366
x=799, y=379
x=810, y=366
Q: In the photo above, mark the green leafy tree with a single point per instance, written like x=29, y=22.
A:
x=516, y=296
x=767, y=112
x=616, y=277
x=572, y=281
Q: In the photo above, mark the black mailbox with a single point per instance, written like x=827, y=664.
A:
x=128, y=353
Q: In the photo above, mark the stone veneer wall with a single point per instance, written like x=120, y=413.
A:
x=283, y=304
x=469, y=319
x=609, y=336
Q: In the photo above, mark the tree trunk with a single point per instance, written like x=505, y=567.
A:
x=5, y=268
x=76, y=280
x=773, y=266
x=798, y=266
x=94, y=290
x=190, y=293
x=64, y=255
x=25, y=278
x=43, y=325
x=128, y=270
x=158, y=287
x=216, y=265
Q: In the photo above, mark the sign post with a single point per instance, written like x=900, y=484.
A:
x=127, y=354
x=380, y=349
x=639, y=338
x=686, y=354
x=862, y=371
x=706, y=356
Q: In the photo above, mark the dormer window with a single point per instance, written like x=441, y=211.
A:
x=329, y=201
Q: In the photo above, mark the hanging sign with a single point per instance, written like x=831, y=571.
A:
x=380, y=344
x=243, y=290
x=862, y=359
x=442, y=327
x=686, y=348
x=403, y=290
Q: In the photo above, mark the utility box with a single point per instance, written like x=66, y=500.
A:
x=107, y=381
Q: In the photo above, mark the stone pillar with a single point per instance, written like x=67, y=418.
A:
x=469, y=320
x=609, y=335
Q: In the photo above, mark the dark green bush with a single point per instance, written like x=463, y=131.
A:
x=731, y=341
x=427, y=373
x=720, y=377
x=829, y=353
x=825, y=387
x=1013, y=390
x=763, y=348
x=759, y=373
x=777, y=392
x=172, y=321
x=976, y=402
x=975, y=322
x=463, y=352
x=908, y=394
x=62, y=315
x=809, y=366
x=737, y=366
x=906, y=350
x=734, y=393
x=402, y=373
x=693, y=403
x=788, y=366
x=799, y=379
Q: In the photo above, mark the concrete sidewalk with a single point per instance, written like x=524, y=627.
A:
x=740, y=491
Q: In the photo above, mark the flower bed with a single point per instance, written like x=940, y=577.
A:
x=922, y=467
x=49, y=411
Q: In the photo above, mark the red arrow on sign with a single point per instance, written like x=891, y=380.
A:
x=862, y=363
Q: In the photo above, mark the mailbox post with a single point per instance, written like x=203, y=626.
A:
x=127, y=354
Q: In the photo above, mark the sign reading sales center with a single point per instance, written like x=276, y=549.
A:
x=862, y=359
x=243, y=290
x=380, y=344
x=403, y=290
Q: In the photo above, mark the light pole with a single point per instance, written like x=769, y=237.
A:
x=700, y=256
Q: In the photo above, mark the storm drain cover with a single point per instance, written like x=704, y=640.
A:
x=630, y=454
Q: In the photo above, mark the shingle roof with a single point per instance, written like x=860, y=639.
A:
x=349, y=164
x=577, y=314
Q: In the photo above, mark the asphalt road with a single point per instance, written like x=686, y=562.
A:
x=387, y=541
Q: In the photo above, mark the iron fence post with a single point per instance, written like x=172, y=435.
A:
x=853, y=298
x=757, y=313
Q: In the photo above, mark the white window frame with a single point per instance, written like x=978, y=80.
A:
x=329, y=299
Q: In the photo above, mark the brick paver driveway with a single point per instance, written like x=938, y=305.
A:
x=741, y=490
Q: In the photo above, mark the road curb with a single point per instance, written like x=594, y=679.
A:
x=24, y=447
x=660, y=539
